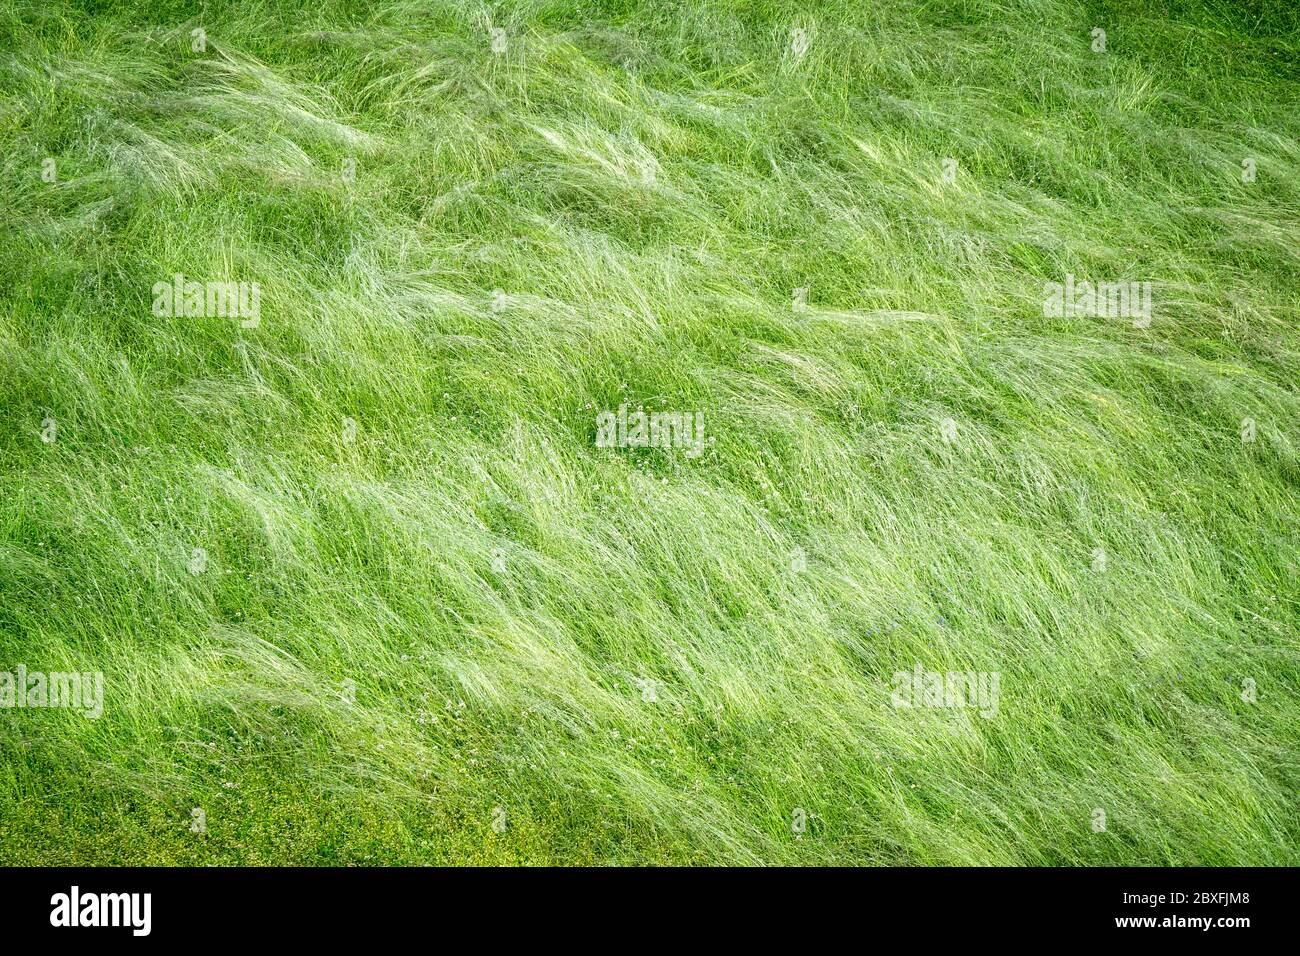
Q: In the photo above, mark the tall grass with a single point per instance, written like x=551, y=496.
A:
x=364, y=589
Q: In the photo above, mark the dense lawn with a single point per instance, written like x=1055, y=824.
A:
x=362, y=583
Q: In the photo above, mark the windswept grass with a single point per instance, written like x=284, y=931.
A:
x=364, y=589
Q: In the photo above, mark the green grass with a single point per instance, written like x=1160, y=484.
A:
x=649, y=183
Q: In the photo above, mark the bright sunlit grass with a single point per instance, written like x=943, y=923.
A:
x=363, y=584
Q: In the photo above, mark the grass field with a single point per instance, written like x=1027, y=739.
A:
x=365, y=585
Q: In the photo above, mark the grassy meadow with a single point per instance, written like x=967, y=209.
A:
x=365, y=588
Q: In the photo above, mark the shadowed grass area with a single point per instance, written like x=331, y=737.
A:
x=364, y=588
